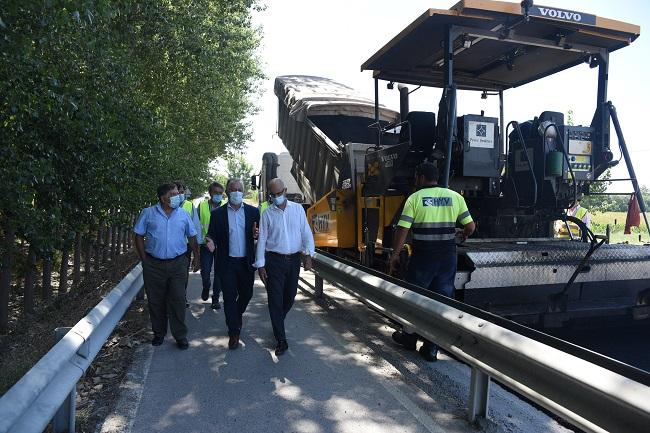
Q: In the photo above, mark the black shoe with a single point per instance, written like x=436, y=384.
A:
x=233, y=342
x=429, y=354
x=216, y=305
x=407, y=340
x=205, y=294
x=157, y=341
x=183, y=344
x=281, y=347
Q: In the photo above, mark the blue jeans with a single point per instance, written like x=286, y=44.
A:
x=435, y=273
x=207, y=261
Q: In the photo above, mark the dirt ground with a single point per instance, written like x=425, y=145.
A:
x=30, y=338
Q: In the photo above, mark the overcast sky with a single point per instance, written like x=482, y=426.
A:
x=333, y=38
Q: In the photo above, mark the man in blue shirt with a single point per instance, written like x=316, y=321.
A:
x=232, y=231
x=161, y=235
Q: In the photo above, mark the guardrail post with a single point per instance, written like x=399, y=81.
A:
x=64, y=420
x=318, y=286
x=479, y=392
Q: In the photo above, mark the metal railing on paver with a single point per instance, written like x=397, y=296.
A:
x=47, y=391
x=591, y=391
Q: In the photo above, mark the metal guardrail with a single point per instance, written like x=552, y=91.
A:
x=589, y=396
x=47, y=391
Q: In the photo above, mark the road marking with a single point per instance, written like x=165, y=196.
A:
x=121, y=419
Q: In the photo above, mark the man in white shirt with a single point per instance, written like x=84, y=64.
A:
x=284, y=236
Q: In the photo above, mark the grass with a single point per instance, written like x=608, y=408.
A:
x=616, y=221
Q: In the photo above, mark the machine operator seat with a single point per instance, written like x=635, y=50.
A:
x=423, y=135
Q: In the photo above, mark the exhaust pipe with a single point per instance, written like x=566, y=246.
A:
x=403, y=101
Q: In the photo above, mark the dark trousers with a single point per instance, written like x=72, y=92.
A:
x=281, y=287
x=237, y=278
x=164, y=284
x=433, y=272
x=207, y=261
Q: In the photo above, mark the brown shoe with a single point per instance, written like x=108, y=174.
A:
x=233, y=342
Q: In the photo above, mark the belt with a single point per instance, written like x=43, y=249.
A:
x=284, y=256
x=165, y=260
x=237, y=258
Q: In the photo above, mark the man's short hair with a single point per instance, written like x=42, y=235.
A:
x=233, y=180
x=165, y=188
x=215, y=185
x=428, y=170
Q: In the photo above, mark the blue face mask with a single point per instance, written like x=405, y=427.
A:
x=236, y=197
x=216, y=199
x=278, y=200
x=175, y=201
x=182, y=196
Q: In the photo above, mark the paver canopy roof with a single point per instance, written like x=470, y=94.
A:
x=495, y=47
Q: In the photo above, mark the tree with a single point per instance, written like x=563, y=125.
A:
x=102, y=101
x=239, y=168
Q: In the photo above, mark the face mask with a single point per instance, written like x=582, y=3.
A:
x=236, y=197
x=182, y=196
x=216, y=199
x=279, y=200
x=175, y=201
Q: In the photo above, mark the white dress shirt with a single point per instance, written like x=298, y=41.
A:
x=284, y=232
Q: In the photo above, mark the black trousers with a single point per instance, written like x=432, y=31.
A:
x=237, y=278
x=281, y=287
x=164, y=283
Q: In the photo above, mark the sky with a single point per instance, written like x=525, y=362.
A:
x=333, y=38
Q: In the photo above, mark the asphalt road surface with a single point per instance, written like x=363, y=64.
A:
x=342, y=373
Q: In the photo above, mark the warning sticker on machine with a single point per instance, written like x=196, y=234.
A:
x=481, y=134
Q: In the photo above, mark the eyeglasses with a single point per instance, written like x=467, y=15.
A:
x=277, y=194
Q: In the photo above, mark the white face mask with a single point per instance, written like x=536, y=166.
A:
x=278, y=200
x=235, y=197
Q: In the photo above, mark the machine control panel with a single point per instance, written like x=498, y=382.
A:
x=579, y=145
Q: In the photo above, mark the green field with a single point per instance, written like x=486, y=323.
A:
x=616, y=221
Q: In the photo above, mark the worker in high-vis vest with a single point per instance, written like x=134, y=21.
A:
x=208, y=258
x=563, y=228
x=264, y=206
x=431, y=214
x=188, y=206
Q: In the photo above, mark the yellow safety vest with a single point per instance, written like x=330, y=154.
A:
x=264, y=206
x=563, y=232
x=431, y=214
x=188, y=206
x=204, y=215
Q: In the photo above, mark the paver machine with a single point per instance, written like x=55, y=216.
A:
x=518, y=178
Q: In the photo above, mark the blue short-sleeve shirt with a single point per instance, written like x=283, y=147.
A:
x=165, y=235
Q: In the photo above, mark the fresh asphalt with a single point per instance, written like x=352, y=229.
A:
x=341, y=374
